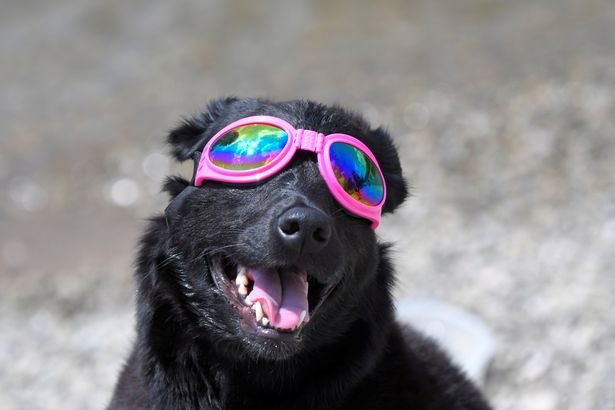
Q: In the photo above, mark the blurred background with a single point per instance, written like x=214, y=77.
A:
x=503, y=112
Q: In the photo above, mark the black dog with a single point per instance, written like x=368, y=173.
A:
x=199, y=347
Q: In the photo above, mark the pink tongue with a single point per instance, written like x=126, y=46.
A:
x=282, y=295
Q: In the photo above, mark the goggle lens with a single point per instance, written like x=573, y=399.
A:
x=356, y=173
x=248, y=147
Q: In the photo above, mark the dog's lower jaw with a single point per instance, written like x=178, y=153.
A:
x=172, y=369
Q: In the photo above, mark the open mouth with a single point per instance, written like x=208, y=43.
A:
x=271, y=302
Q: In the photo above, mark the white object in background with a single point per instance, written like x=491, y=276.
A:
x=465, y=337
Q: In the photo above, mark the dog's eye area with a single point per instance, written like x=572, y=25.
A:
x=248, y=147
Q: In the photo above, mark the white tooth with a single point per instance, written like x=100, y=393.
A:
x=265, y=321
x=258, y=309
x=243, y=291
x=302, y=317
x=242, y=278
x=247, y=301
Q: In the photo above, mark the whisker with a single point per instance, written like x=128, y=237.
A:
x=206, y=252
x=166, y=261
x=211, y=251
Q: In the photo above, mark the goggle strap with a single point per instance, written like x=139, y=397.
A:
x=196, y=158
x=171, y=211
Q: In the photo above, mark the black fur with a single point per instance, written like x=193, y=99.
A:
x=191, y=352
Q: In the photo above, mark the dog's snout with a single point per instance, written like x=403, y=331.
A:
x=304, y=229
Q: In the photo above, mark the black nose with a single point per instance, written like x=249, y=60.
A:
x=304, y=229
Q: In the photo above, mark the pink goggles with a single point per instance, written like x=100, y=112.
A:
x=256, y=148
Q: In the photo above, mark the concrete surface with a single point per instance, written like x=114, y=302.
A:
x=503, y=112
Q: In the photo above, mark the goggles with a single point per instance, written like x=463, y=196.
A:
x=255, y=148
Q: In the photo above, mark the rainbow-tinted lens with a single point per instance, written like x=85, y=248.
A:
x=248, y=147
x=356, y=173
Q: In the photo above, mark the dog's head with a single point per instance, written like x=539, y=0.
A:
x=286, y=237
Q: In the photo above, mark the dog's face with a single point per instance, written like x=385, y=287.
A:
x=285, y=242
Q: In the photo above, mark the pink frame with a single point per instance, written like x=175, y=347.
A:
x=298, y=139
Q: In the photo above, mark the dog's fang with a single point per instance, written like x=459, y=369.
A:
x=265, y=321
x=242, y=278
x=258, y=309
x=243, y=291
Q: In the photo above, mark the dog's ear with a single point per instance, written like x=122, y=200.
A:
x=190, y=136
x=385, y=151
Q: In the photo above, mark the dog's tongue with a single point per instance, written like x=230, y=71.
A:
x=283, y=296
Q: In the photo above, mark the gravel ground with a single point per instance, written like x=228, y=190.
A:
x=503, y=112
